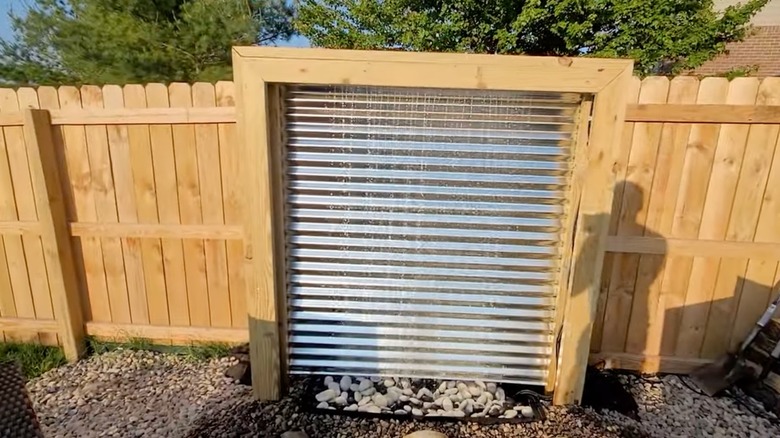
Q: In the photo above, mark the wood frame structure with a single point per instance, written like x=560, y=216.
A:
x=260, y=72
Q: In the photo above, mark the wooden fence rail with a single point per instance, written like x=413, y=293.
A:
x=149, y=176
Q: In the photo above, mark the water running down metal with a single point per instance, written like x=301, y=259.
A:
x=423, y=230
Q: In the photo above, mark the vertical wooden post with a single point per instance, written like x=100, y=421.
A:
x=261, y=230
x=567, y=235
x=609, y=109
x=55, y=238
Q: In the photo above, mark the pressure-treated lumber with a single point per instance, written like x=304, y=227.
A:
x=55, y=239
x=130, y=116
x=606, y=327
x=729, y=151
x=694, y=247
x=707, y=113
x=29, y=325
x=232, y=200
x=175, y=334
x=590, y=237
x=640, y=172
x=256, y=69
x=142, y=170
x=434, y=70
x=260, y=268
x=648, y=364
x=567, y=235
x=160, y=231
x=20, y=228
x=190, y=212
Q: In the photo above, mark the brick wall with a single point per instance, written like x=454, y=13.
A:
x=761, y=49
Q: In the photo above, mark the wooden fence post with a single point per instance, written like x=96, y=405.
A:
x=55, y=238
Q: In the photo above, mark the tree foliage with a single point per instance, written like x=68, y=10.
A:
x=662, y=36
x=121, y=41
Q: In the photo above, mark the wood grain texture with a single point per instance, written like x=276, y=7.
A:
x=760, y=274
x=17, y=298
x=160, y=231
x=663, y=195
x=605, y=323
x=722, y=185
x=130, y=116
x=209, y=175
x=190, y=208
x=648, y=364
x=25, y=206
x=102, y=187
x=80, y=181
x=164, y=165
x=233, y=203
x=632, y=217
x=177, y=335
x=145, y=194
x=435, y=70
x=732, y=113
x=580, y=136
x=729, y=285
x=55, y=239
x=119, y=149
x=28, y=98
x=590, y=236
x=258, y=219
x=694, y=247
x=28, y=325
x=687, y=218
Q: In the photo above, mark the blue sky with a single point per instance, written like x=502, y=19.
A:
x=20, y=5
x=5, y=7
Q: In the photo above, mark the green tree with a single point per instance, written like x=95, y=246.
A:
x=122, y=41
x=662, y=36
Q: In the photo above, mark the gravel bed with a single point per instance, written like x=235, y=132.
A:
x=133, y=394
x=669, y=407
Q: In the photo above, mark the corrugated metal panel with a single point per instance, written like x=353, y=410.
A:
x=423, y=230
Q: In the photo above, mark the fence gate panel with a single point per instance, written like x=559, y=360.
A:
x=423, y=229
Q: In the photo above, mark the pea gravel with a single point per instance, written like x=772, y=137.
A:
x=147, y=394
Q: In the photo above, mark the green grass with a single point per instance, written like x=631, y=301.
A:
x=34, y=359
x=193, y=352
x=207, y=351
x=37, y=359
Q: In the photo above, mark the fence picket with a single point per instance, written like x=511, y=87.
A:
x=14, y=286
x=32, y=253
x=761, y=273
x=142, y=169
x=168, y=208
x=230, y=164
x=729, y=286
x=207, y=144
x=190, y=208
x=729, y=152
x=102, y=188
x=608, y=329
x=119, y=150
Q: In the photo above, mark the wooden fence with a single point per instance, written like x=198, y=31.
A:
x=153, y=203
x=695, y=228
x=153, y=199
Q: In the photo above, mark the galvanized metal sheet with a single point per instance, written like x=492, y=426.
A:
x=423, y=230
